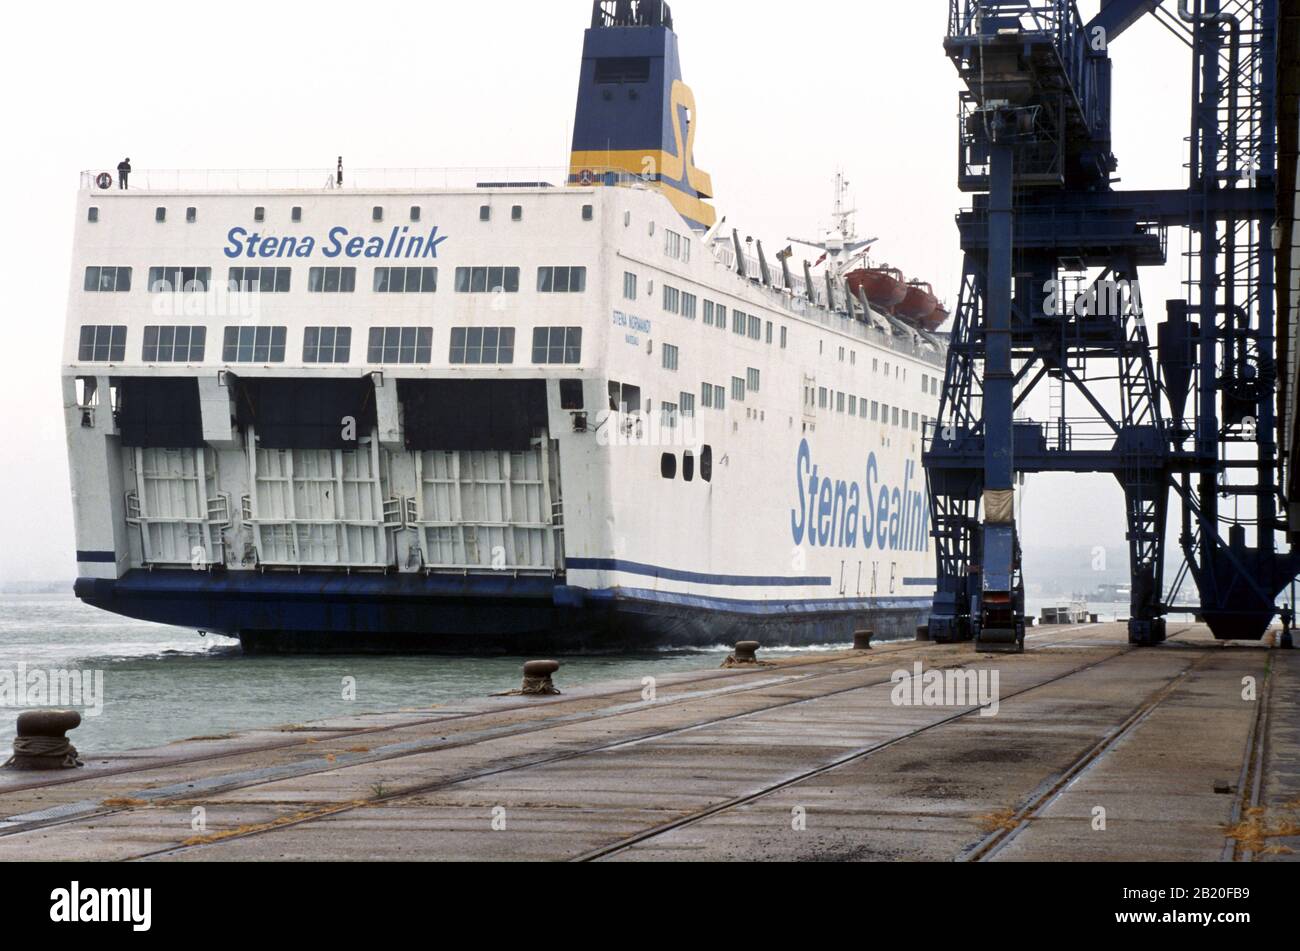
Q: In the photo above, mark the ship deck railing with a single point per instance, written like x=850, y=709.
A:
x=462, y=178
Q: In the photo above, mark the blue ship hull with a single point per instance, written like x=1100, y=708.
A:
x=457, y=614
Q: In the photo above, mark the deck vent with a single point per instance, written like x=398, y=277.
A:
x=92, y=214
x=377, y=213
x=259, y=213
x=296, y=215
x=588, y=212
x=415, y=212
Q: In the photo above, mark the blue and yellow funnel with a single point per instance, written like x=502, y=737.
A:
x=635, y=115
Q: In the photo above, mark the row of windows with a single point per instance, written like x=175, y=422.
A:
x=680, y=302
x=335, y=280
x=387, y=345
x=668, y=465
x=862, y=407
x=377, y=213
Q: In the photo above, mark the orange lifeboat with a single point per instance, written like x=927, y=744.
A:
x=885, y=287
x=936, y=320
x=919, y=304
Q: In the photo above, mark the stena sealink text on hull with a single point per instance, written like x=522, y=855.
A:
x=570, y=409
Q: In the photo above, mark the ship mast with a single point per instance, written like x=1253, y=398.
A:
x=840, y=246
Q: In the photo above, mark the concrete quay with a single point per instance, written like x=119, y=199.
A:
x=1095, y=751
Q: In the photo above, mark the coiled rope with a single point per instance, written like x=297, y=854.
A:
x=45, y=748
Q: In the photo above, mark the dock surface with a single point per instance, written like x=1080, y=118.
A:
x=1097, y=751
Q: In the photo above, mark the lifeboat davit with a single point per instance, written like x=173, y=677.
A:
x=884, y=286
x=919, y=304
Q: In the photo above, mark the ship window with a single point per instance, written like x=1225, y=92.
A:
x=332, y=280
x=174, y=344
x=571, y=394
x=485, y=213
x=706, y=463
x=875, y=411
x=108, y=280
x=254, y=345
x=165, y=280
x=672, y=299
x=588, y=212
x=752, y=379
x=259, y=213
x=415, y=212
x=377, y=213
x=755, y=328
x=483, y=280
x=822, y=397
x=517, y=213
x=92, y=214
x=688, y=466
x=101, y=344
x=839, y=402
x=398, y=345
x=737, y=389
x=894, y=414
x=668, y=415
x=738, y=323
x=191, y=215
x=478, y=345
x=853, y=406
x=668, y=466
x=327, y=345
x=406, y=280
x=260, y=280
x=557, y=345
x=623, y=69
x=670, y=357
x=708, y=313
x=160, y=214
x=689, y=304
x=624, y=397
x=687, y=401
x=769, y=333
x=785, y=337
x=721, y=318
x=629, y=285
x=561, y=280
x=296, y=214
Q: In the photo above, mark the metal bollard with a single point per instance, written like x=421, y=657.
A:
x=746, y=652
x=42, y=744
x=537, y=678
x=862, y=640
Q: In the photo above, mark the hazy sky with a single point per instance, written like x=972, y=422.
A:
x=786, y=94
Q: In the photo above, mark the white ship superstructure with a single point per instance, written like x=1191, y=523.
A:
x=431, y=410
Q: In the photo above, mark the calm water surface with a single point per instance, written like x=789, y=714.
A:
x=163, y=684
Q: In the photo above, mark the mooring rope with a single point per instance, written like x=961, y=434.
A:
x=45, y=747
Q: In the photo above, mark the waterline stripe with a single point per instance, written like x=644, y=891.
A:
x=673, y=574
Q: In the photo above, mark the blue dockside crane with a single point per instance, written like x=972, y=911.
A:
x=1051, y=296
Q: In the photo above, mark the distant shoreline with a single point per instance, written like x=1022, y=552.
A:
x=36, y=587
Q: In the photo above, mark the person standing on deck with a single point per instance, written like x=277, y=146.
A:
x=123, y=173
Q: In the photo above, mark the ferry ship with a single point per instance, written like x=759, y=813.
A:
x=449, y=411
